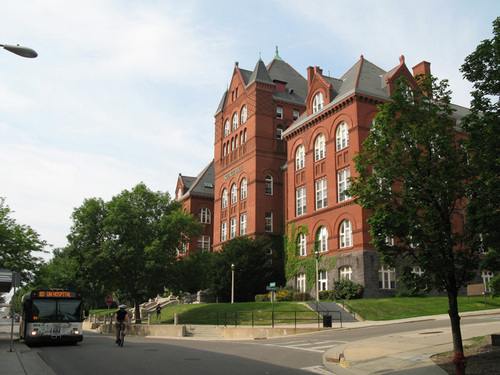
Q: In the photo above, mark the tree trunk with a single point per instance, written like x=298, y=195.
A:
x=455, y=321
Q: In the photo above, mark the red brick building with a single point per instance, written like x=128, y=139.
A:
x=283, y=155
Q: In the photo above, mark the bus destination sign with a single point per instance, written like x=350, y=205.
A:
x=56, y=294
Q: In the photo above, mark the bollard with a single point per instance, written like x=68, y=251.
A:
x=149, y=319
x=176, y=319
x=460, y=362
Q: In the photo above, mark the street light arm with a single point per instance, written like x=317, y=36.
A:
x=21, y=51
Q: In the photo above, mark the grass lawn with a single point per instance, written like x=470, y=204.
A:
x=368, y=309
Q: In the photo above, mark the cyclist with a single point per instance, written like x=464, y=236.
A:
x=121, y=317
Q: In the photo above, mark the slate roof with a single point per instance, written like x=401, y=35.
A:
x=201, y=185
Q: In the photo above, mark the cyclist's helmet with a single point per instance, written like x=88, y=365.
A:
x=122, y=306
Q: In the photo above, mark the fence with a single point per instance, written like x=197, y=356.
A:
x=263, y=318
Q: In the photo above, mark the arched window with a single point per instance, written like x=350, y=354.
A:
x=302, y=245
x=318, y=102
x=224, y=150
x=269, y=185
x=204, y=215
x=319, y=147
x=300, y=157
x=234, y=194
x=342, y=136
x=232, y=144
x=322, y=238
x=243, y=116
x=227, y=130
x=179, y=193
x=245, y=135
x=236, y=141
x=224, y=198
x=346, y=272
x=243, y=189
x=345, y=234
x=235, y=121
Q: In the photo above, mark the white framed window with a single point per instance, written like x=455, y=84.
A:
x=300, y=201
x=269, y=185
x=279, y=132
x=301, y=282
x=318, y=102
x=204, y=215
x=232, y=232
x=321, y=191
x=243, y=224
x=345, y=234
x=302, y=245
x=296, y=114
x=342, y=136
x=343, y=183
x=234, y=194
x=204, y=243
x=322, y=238
x=223, y=231
x=323, y=280
x=300, y=157
x=345, y=272
x=279, y=112
x=269, y=221
x=386, y=278
x=227, y=129
x=487, y=276
x=243, y=115
x=319, y=148
x=235, y=120
x=224, y=198
x=243, y=189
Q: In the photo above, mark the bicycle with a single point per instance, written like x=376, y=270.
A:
x=121, y=339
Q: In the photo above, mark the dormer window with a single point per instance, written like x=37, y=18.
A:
x=318, y=102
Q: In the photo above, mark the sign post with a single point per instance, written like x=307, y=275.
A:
x=272, y=288
x=109, y=301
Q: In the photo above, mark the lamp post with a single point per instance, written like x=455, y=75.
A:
x=232, y=283
x=19, y=50
x=317, y=278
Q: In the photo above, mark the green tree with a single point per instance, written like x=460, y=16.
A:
x=253, y=269
x=482, y=68
x=414, y=177
x=128, y=243
x=191, y=273
x=18, y=244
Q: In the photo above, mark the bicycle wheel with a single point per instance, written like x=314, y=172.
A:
x=122, y=337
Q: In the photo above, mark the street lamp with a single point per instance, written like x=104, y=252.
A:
x=317, y=278
x=19, y=50
x=232, y=283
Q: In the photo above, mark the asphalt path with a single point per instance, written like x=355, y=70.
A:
x=298, y=354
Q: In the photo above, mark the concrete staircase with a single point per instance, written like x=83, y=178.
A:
x=333, y=309
x=203, y=332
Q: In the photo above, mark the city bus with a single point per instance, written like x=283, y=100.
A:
x=54, y=315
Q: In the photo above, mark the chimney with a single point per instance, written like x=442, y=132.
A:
x=422, y=68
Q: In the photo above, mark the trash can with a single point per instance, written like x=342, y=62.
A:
x=327, y=321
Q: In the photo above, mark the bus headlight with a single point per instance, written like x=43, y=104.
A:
x=34, y=332
x=76, y=331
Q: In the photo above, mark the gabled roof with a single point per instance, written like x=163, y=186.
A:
x=201, y=185
x=363, y=78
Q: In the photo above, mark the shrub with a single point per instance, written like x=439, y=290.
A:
x=325, y=294
x=262, y=298
x=283, y=295
x=346, y=289
x=301, y=296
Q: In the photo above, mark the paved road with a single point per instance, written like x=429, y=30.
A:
x=300, y=354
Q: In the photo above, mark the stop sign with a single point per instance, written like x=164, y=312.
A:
x=109, y=300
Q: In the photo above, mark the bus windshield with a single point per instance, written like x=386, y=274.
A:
x=60, y=310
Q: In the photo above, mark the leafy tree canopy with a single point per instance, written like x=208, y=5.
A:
x=127, y=244
x=18, y=243
x=414, y=177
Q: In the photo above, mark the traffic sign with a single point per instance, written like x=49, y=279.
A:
x=109, y=300
x=272, y=288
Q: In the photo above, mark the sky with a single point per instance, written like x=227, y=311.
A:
x=124, y=91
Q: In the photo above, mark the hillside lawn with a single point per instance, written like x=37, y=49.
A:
x=285, y=312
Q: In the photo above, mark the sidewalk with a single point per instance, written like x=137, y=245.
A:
x=407, y=353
